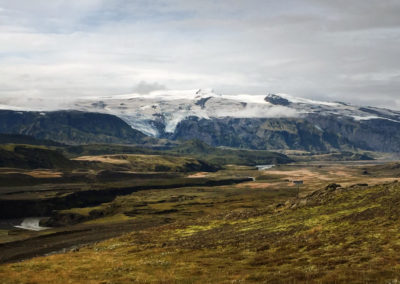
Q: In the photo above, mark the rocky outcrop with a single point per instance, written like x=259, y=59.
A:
x=276, y=100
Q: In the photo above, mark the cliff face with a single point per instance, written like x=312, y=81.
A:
x=373, y=134
x=312, y=133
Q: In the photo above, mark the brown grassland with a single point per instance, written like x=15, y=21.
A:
x=253, y=232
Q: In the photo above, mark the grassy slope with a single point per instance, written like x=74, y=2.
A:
x=150, y=163
x=193, y=148
x=343, y=235
x=391, y=169
x=31, y=157
x=105, y=149
x=215, y=155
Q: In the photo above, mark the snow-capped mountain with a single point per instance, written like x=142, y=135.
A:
x=160, y=112
x=273, y=121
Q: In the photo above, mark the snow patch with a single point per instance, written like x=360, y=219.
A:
x=359, y=118
x=257, y=111
x=256, y=99
x=308, y=101
x=318, y=128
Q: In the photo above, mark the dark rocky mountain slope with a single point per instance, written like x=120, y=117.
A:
x=70, y=127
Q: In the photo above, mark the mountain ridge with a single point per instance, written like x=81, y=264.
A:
x=171, y=107
x=262, y=122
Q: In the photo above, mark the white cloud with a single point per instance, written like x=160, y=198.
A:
x=318, y=49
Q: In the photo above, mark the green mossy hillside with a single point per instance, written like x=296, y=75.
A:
x=335, y=235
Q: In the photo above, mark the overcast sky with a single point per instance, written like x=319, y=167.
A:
x=322, y=49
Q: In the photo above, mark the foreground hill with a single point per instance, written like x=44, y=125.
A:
x=334, y=235
x=70, y=127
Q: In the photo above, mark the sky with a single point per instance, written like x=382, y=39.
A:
x=333, y=50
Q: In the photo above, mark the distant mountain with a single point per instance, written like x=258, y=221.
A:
x=70, y=127
x=262, y=122
x=274, y=121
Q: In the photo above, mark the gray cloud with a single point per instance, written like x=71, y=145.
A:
x=146, y=87
x=321, y=49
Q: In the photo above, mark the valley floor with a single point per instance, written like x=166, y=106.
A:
x=251, y=232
